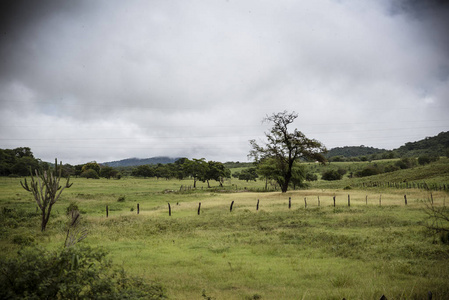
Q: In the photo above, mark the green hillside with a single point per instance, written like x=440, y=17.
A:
x=353, y=151
x=432, y=146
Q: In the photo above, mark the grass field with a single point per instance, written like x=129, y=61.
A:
x=361, y=251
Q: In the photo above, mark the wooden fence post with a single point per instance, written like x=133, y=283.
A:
x=380, y=200
x=138, y=209
x=169, y=210
x=431, y=198
x=257, y=206
x=349, y=200
x=366, y=199
x=334, y=201
x=199, y=208
x=318, y=200
x=289, y=202
x=107, y=211
x=232, y=203
x=405, y=199
x=305, y=202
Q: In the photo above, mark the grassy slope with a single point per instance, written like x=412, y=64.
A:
x=358, y=252
x=434, y=173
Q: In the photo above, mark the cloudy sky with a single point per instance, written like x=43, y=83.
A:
x=108, y=80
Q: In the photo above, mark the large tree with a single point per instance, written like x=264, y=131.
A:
x=216, y=171
x=285, y=147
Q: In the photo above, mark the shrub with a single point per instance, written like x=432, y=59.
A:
x=391, y=168
x=121, y=199
x=311, y=177
x=71, y=208
x=73, y=273
x=90, y=173
x=331, y=175
x=425, y=159
x=342, y=171
x=405, y=163
x=368, y=171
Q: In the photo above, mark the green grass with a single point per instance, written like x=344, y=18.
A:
x=434, y=173
x=319, y=252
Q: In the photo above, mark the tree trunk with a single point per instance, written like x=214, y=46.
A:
x=287, y=176
x=44, y=222
x=45, y=218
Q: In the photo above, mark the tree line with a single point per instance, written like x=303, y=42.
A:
x=197, y=169
x=20, y=161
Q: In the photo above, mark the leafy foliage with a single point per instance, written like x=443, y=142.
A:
x=72, y=273
x=17, y=161
x=340, y=153
x=331, y=175
x=432, y=146
x=249, y=174
x=91, y=166
x=90, y=173
x=367, y=171
x=284, y=148
x=426, y=159
x=197, y=169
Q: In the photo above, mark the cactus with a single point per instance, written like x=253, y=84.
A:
x=46, y=190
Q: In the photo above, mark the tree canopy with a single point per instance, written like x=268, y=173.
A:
x=197, y=169
x=284, y=148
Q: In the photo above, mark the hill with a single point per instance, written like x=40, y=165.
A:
x=129, y=162
x=353, y=151
x=432, y=146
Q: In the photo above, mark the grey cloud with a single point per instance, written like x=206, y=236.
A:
x=145, y=78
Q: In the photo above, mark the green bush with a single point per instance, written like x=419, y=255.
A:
x=426, y=159
x=90, y=173
x=311, y=177
x=73, y=273
x=368, y=171
x=331, y=175
x=405, y=163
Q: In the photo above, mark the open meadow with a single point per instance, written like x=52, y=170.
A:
x=374, y=246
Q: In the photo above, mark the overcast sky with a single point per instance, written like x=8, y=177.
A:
x=108, y=80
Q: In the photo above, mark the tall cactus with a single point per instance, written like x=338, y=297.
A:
x=46, y=190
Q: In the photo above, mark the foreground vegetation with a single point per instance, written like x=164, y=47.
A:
x=376, y=246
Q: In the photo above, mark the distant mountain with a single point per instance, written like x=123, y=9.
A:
x=433, y=146
x=130, y=162
x=353, y=151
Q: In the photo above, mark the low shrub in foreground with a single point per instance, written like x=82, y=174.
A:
x=73, y=273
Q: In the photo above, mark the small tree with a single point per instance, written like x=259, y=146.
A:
x=248, y=174
x=46, y=190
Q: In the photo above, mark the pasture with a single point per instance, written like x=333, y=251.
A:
x=376, y=246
